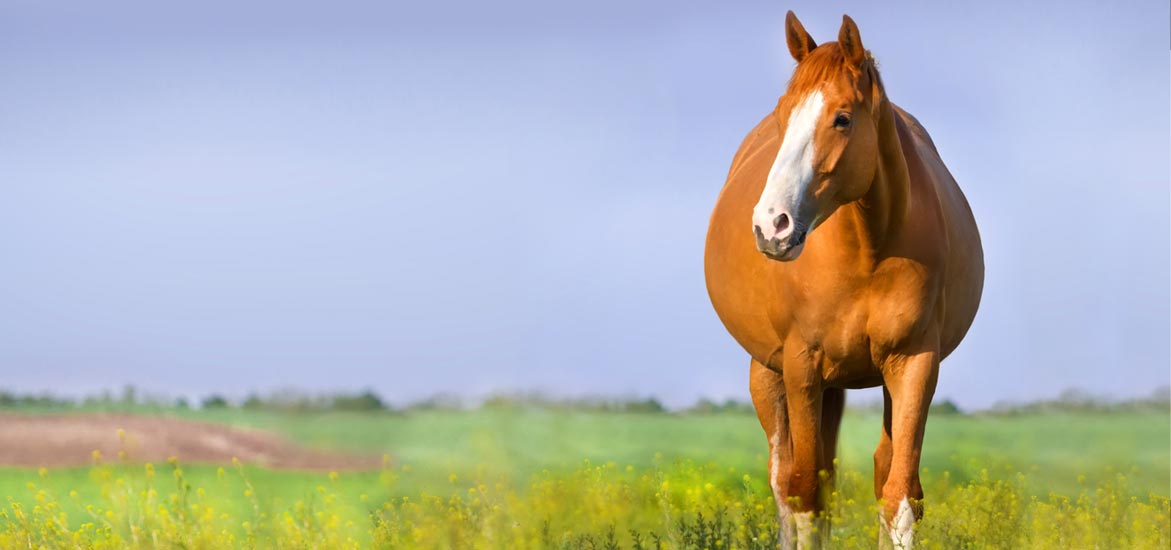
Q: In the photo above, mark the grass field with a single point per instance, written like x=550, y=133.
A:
x=545, y=479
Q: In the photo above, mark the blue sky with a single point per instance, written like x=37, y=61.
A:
x=456, y=197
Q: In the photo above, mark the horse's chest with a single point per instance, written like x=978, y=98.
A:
x=832, y=323
x=853, y=322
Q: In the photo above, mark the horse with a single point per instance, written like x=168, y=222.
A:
x=841, y=254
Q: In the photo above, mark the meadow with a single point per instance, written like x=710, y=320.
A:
x=535, y=478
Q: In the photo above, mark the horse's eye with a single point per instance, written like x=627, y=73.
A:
x=842, y=121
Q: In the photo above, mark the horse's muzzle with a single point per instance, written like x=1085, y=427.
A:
x=783, y=250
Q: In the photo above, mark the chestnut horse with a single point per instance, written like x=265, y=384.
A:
x=841, y=254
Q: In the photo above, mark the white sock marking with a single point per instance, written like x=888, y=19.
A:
x=902, y=526
x=806, y=538
x=785, y=532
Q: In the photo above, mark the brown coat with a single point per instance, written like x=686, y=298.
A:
x=885, y=285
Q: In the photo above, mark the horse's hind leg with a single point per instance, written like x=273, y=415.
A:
x=833, y=404
x=882, y=455
x=882, y=459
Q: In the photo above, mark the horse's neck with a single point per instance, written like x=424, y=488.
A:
x=884, y=207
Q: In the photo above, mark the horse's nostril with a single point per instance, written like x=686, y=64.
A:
x=781, y=222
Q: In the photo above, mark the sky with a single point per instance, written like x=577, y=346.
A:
x=457, y=197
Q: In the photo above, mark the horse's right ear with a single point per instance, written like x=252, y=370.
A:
x=800, y=43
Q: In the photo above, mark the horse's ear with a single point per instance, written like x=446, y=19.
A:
x=800, y=43
x=850, y=41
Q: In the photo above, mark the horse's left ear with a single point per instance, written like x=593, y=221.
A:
x=850, y=41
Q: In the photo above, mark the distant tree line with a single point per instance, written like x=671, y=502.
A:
x=368, y=401
x=292, y=401
x=1074, y=400
x=130, y=399
x=512, y=401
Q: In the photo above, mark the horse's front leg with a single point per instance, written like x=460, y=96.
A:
x=910, y=380
x=768, y=397
x=803, y=397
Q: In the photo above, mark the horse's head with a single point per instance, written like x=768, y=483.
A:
x=829, y=145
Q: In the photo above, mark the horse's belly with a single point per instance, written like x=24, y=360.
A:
x=737, y=275
x=741, y=298
x=965, y=284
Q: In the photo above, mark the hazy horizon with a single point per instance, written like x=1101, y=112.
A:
x=275, y=398
x=461, y=198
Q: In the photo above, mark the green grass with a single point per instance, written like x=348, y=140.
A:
x=541, y=479
x=1054, y=448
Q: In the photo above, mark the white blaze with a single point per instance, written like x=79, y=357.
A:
x=792, y=170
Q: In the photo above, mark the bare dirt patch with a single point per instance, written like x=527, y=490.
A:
x=62, y=440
